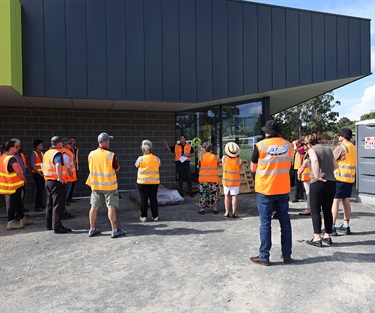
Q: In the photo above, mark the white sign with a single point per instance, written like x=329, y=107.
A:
x=369, y=142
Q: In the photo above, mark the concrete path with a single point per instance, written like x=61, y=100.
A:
x=185, y=262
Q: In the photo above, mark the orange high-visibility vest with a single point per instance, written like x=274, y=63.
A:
x=49, y=167
x=231, y=171
x=297, y=160
x=67, y=177
x=347, y=168
x=102, y=175
x=23, y=160
x=208, y=170
x=9, y=182
x=178, y=151
x=148, y=170
x=38, y=162
x=272, y=174
x=76, y=156
x=306, y=174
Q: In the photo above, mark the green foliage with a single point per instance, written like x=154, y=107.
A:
x=368, y=116
x=312, y=116
x=344, y=122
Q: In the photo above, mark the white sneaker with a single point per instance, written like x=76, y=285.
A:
x=26, y=221
x=142, y=219
x=14, y=225
x=156, y=218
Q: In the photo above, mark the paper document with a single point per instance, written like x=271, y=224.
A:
x=183, y=159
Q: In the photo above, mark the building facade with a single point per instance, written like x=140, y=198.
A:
x=153, y=69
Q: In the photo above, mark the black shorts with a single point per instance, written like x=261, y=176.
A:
x=343, y=190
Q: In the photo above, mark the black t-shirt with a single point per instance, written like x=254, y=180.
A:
x=11, y=161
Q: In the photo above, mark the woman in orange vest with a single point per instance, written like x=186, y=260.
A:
x=12, y=179
x=231, y=177
x=36, y=159
x=305, y=177
x=208, y=181
x=148, y=181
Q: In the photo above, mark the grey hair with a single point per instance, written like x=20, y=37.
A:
x=17, y=141
x=207, y=146
x=146, y=146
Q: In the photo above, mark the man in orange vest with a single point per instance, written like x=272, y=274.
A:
x=270, y=163
x=183, y=152
x=53, y=168
x=102, y=179
x=36, y=158
x=346, y=156
x=75, y=151
x=297, y=162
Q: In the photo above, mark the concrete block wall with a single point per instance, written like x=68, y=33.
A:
x=129, y=128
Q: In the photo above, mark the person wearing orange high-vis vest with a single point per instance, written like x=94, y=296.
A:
x=70, y=175
x=75, y=152
x=12, y=179
x=102, y=179
x=36, y=158
x=182, y=154
x=271, y=163
x=346, y=157
x=305, y=177
x=208, y=182
x=297, y=161
x=53, y=170
x=231, y=179
x=148, y=181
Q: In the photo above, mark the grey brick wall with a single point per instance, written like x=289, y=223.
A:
x=128, y=127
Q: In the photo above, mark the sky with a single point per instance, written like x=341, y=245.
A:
x=357, y=98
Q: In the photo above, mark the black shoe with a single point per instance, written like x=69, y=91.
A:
x=315, y=243
x=328, y=241
x=286, y=260
x=67, y=216
x=39, y=208
x=25, y=210
x=181, y=194
x=62, y=230
x=295, y=200
x=345, y=230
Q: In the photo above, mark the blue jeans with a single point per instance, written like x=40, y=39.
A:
x=267, y=205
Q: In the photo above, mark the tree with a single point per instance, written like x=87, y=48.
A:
x=344, y=122
x=368, y=116
x=312, y=116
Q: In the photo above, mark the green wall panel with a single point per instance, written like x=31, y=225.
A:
x=10, y=44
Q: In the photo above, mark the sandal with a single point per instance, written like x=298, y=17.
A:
x=226, y=215
x=304, y=213
x=201, y=211
x=216, y=211
x=235, y=215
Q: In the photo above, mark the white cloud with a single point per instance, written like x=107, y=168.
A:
x=365, y=106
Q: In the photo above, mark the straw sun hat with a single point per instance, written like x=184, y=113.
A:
x=232, y=149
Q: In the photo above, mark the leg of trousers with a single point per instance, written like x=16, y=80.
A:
x=71, y=192
x=321, y=198
x=143, y=198
x=56, y=193
x=153, y=196
x=40, y=189
x=15, y=205
x=299, y=187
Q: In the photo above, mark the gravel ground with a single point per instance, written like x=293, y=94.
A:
x=185, y=262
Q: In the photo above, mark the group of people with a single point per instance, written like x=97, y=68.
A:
x=328, y=178
x=13, y=167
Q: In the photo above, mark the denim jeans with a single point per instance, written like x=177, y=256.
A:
x=267, y=205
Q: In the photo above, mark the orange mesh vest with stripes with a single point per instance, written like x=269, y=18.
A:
x=231, y=171
x=272, y=174
x=148, y=170
x=102, y=175
x=208, y=170
x=9, y=182
x=347, y=168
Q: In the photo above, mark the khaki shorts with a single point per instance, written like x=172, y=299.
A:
x=109, y=198
x=232, y=190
